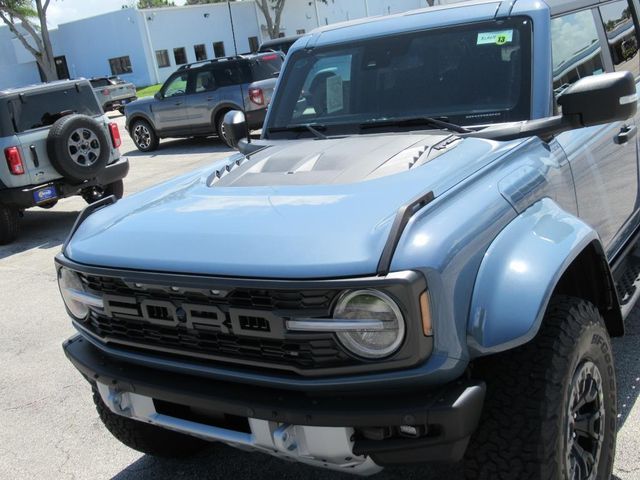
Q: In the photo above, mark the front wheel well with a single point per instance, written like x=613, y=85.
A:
x=135, y=119
x=589, y=277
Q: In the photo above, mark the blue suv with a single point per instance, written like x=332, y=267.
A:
x=424, y=258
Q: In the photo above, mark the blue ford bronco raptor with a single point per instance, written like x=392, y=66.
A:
x=422, y=259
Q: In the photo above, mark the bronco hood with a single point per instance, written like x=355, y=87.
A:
x=298, y=209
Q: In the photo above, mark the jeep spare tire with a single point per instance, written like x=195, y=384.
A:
x=78, y=147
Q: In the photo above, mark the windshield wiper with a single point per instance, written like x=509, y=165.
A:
x=307, y=127
x=415, y=121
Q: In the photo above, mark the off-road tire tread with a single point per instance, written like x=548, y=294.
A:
x=517, y=435
x=9, y=224
x=146, y=438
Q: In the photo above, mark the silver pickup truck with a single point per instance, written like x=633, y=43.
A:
x=113, y=93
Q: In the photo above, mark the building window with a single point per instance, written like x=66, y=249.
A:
x=120, y=65
x=200, y=51
x=301, y=31
x=254, y=44
x=218, y=49
x=162, y=57
x=180, y=55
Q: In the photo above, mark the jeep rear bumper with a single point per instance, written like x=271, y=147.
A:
x=23, y=197
x=443, y=419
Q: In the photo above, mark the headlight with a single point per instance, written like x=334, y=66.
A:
x=74, y=295
x=383, y=326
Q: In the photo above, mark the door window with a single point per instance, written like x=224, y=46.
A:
x=621, y=36
x=176, y=86
x=204, y=81
x=576, y=50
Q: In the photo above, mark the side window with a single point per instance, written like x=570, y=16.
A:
x=326, y=90
x=176, y=86
x=204, y=81
x=621, y=36
x=227, y=74
x=576, y=51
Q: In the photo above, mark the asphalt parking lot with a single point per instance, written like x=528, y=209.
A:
x=48, y=425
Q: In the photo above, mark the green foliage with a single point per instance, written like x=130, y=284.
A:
x=155, y=4
x=18, y=8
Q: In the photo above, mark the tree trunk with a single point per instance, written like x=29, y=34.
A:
x=46, y=60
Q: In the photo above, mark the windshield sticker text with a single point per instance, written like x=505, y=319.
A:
x=498, y=38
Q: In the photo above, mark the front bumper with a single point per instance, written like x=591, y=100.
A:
x=446, y=416
x=22, y=197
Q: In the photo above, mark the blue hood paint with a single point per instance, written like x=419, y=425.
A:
x=299, y=231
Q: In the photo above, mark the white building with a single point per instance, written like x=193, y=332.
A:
x=146, y=46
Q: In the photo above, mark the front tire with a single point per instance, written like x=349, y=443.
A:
x=550, y=411
x=144, y=136
x=146, y=438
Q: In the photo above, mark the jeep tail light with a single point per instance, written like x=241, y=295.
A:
x=256, y=95
x=14, y=160
x=115, y=135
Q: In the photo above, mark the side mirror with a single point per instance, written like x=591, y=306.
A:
x=598, y=99
x=235, y=127
x=158, y=96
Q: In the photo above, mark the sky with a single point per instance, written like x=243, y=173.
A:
x=61, y=11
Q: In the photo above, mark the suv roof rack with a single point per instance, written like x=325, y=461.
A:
x=242, y=56
x=213, y=60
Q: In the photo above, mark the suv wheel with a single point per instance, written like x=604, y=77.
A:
x=144, y=136
x=222, y=131
x=146, y=438
x=9, y=224
x=550, y=410
x=93, y=194
x=78, y=147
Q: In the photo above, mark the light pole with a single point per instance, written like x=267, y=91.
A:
x=233, y=30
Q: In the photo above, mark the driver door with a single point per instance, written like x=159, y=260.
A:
x=603, y=159
x=171, y=111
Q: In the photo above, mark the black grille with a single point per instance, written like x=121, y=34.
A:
x=165, y=329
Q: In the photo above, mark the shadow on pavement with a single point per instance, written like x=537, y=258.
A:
x=222, y=462
x=40, y=229
x=183, y=145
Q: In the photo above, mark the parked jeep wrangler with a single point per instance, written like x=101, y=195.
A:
x=57, y=142
x=422, y=259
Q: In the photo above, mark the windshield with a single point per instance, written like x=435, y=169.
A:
x=43, y=108
x=473, y=74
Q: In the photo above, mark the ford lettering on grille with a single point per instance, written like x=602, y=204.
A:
x=163, y=313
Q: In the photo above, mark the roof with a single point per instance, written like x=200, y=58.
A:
x=41, y=86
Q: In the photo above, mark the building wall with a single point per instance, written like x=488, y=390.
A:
x=17, y=66
x=186, y=27
x=305, y=15
x=88, y=45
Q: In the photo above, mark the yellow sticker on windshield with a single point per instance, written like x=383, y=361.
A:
x=498, y=38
